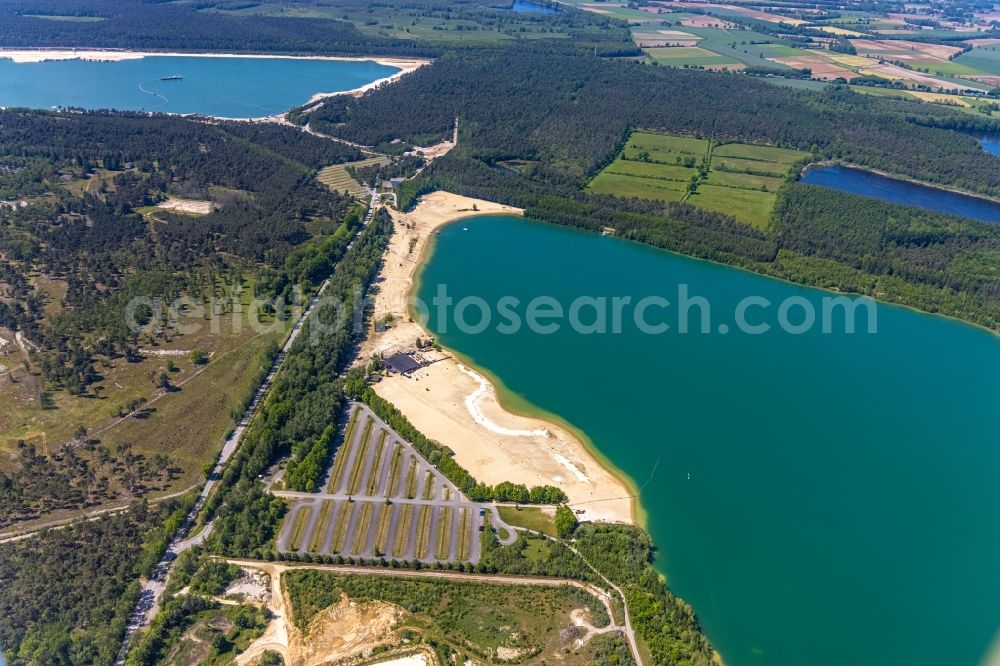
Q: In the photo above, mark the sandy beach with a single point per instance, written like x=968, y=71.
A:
x=459, y=407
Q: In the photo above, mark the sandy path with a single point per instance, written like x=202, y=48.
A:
x=458, y=407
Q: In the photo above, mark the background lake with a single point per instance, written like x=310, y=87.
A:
x=227, y=87
x=893, y=190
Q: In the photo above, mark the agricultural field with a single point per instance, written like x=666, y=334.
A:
x=337, y=179
x=985, y=60
x=680, y=56
x=735, y=37
x=381, y=498
x=618, y=10
x=693, y=40
x=737, y=179
x=467, y=621
x=934, y=59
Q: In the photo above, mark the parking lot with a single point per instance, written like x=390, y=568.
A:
x=381, y=498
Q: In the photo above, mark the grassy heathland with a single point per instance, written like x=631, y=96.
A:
x=531, y=518
x=468, y=620
x=737, y=179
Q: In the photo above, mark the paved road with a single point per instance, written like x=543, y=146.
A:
x=149, y=597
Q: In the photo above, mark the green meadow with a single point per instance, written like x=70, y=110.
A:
x=736, y=179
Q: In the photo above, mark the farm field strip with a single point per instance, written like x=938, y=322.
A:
x=736, y=179
x=338, y=179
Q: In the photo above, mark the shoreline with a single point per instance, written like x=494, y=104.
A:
x=465, y=407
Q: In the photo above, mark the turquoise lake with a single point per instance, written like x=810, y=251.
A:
x=227, y=87
x=821, y=499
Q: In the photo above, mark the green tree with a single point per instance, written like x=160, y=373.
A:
x=566, y=522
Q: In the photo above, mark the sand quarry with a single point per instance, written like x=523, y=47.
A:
x=346, y=630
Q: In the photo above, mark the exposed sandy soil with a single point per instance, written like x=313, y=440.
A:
x=457, y=407
x=409, y=660
x=342, y=631
x=189, y=206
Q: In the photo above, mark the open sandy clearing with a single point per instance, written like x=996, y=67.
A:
x=459, y=408
x=189, y=206
x=342, y=631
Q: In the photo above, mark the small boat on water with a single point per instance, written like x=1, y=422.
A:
x=173, y=77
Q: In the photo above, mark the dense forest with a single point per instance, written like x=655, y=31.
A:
x=150, y=24
x=572, y=115
x=567, y=120
x=66, y=594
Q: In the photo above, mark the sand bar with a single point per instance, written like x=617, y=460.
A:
x=457, y=406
